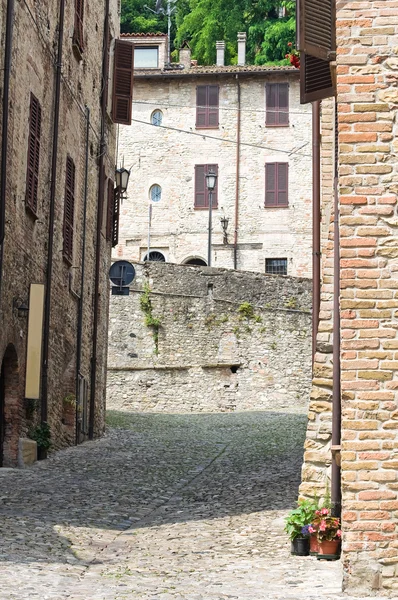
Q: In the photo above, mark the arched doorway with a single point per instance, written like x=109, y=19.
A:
x=10, y=417
x=195, y=261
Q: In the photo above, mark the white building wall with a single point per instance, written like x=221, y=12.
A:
x=167, y=156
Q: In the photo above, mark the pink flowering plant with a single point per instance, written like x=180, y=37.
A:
x=325, y=526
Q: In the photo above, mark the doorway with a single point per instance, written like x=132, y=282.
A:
x=10, y=415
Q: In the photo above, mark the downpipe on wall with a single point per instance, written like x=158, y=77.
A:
x=316, y=220
x=238, y=128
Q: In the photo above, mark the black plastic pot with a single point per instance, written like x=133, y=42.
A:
x=301, y=546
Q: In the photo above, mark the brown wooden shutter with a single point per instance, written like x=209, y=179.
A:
x=200, y=186
x=123, y=82
x=78, y=37
x=270, y=184
x=214, y=202
x=282, y=184
x=32, y=173
x=271, y=104
x=115, y=217
x=318, y=28
x=213, y=92
x=317, y=45
x=69, y=209
x=110, y=209
x=283, y=103
x=201, y=106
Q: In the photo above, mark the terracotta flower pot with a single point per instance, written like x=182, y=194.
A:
x=300, y=546
x=314, y=545
x=329, y=550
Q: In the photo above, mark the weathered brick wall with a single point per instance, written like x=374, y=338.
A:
x=167, y=157
x=210, y=356
x=25, y=248
x=367, y=34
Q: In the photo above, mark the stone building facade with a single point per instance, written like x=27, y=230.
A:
x=366, y=101
x=167, y=145
x=226, y=341
x=49, y=338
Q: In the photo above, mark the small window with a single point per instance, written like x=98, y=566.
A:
x=276, y=266
x=157, y=118
x=277, y=105
x=155, y=193
x=146, y=58
x=202, y=195
x=155, y=256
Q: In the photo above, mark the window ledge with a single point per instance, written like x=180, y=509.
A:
x=205, y=208
x=213, y=127
x=276, y=206
x=278, y=125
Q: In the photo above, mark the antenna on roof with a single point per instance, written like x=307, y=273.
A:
x=170, y=10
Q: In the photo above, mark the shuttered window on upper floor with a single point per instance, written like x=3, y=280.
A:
x=277, y=104
x=69, y=210
x=123, y=82
x=115, y=217
x=317, y=45
x=110, y=209
x=78, y=31
x=207, y=103
x=202, y=195
x=32, y=171
x=276, y=184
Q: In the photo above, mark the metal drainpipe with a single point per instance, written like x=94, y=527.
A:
x=316, y=220
x=82, y=282
x=336, y=399
x=50, y=250
x=105, y=67
x=4, y=131
x=238, y=127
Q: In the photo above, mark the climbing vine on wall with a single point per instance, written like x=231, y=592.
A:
x=150, y=321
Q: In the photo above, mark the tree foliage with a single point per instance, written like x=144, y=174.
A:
x=203, y=22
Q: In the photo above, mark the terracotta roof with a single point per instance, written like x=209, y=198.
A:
x=177, y=70
x=133, y=35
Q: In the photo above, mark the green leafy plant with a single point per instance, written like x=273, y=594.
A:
x=246, y=310
x=30, y=407
x=291, y=303
x=299, y=517
x=150, y=321
x=69, y=401
x=41, y=434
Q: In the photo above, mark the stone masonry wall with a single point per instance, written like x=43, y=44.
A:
x=211, y=356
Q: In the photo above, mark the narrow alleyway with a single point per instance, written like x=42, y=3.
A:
x=165, y=507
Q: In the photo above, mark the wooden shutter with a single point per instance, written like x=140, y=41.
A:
x=270, y=184
x=282, y=183
x=318, y=28
x=115, y=217
x=78, y=38
x=214, y=202
x=201, y=106
x=213, y=105
x=69, y=209
x=110, y=209
x=200, y=186
x=283, y=103
x=317, y=45
x=32, y=172
x=123, y=82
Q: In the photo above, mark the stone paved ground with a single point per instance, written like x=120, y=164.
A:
x=165, y=507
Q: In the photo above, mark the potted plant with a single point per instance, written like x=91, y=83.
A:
x=41, y=434
x=328, y=532
x=69, y=409
x=297, y=525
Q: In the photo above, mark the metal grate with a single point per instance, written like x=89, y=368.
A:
x=276, y=266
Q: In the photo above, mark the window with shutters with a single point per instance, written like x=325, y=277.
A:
x=69, y=210
x=276, y=185
x=78, y=39
x=316, y=27
x=110, y=209
x=207, y=106
x=32, y=172
x=202, y=194
x=123, y=82
x=115, y=217
x=277, y=104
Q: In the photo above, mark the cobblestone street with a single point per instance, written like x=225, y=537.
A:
x=166, y=507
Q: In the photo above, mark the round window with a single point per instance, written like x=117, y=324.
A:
x=155, y=193
x=157, y=118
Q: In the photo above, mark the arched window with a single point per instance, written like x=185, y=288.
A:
x=155, y=256
x=155, y=193
x=157, y=117
x=196, y=261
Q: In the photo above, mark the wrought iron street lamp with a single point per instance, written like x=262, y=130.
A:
x=224, y=224
x=211, y=180
x=122, y=180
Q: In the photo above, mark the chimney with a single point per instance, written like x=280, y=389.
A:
x=220, y=46
x=241, y=48
x=185, y=55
